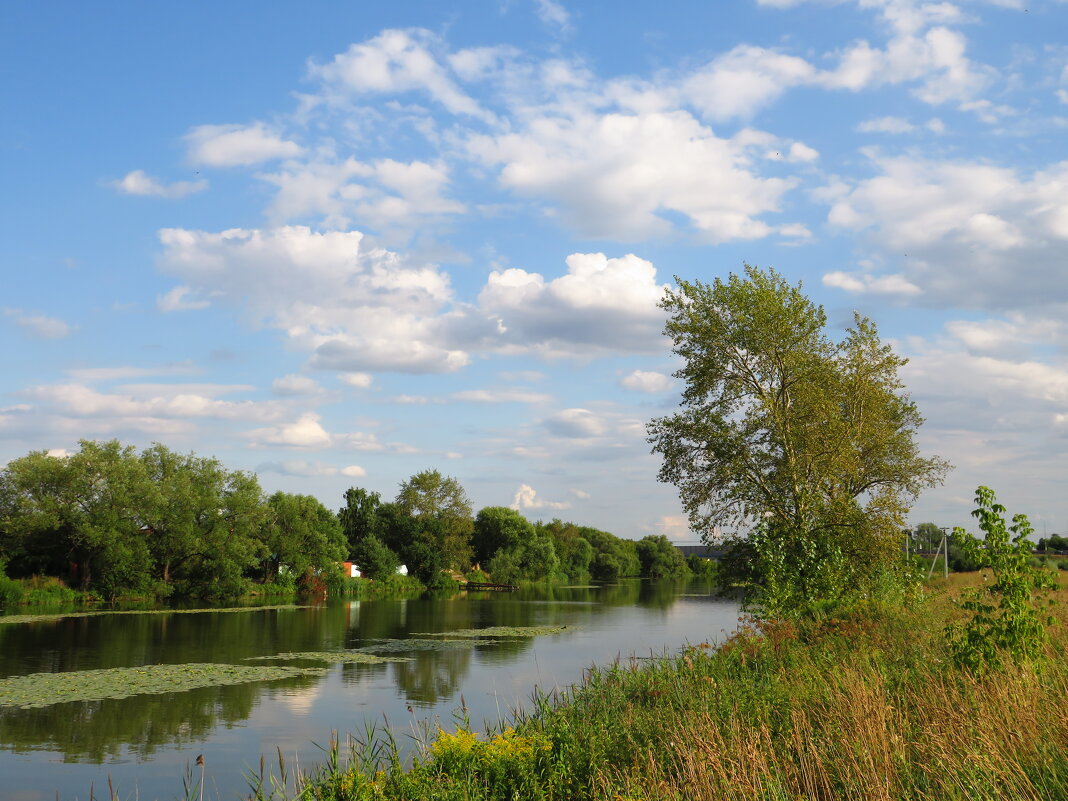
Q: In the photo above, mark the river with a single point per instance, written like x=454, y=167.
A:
x=145, y=744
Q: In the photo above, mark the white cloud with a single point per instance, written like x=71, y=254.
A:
x=647, y=381
x=396, y=61
x=353, y=309
x=966, y=233
x=157, y=401
x=575, y=424
x=304, y=432
x=306, y=469
x=359, y=380
x=742, y=81
x=177, y=299
x=89, y=374
x=294, y=385
x=500, y=396
x=553, y=13
x=381, y=193
x=615, y=174
x=526, y=497
x=888, y=125
x=800, y=152
x=601, y=302
x=39, y=326
x=140, y=183
x=868, y=284
x=580, y=494
x=237, y=145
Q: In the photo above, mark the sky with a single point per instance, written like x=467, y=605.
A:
x=338, y=243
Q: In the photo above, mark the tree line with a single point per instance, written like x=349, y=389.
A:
x=117, y=522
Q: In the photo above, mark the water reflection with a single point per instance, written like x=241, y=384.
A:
x=601, y=622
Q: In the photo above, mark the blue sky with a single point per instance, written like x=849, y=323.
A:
x=339, y=243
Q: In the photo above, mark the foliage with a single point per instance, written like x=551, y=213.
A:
x=375, y=559
x=660, y=559
x=704, y=569
x=359, y=517
x=498, y=528
x=300, y=533
x=442, y=510
x=1006, y=618
x=781, y=426
x=1054, y=542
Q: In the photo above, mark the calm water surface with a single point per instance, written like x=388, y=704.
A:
x=145, y=744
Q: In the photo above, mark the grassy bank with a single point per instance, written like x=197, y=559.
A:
x=866, y=706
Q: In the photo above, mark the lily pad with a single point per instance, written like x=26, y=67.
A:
x=415, y=644
x=358, y=656
x=44, y=689
x=499, y=631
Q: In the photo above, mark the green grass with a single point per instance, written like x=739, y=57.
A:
x=867, y=705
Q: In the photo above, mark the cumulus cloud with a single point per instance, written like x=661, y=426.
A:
x=381, y=193
x=238, y=145
x=966, y=233
x=648, y=381
x=526, y=497
x=394, y=62
x=304, y=432
x=359, y=380
x=616, y=174
x=354, y=309
x=39, y=326
x=610, y=303
x=140, y=183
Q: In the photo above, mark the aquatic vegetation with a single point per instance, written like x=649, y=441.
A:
x=44, y=689
x=10, y=619
x=346, y=657
x=416, y=644
x=499, y=631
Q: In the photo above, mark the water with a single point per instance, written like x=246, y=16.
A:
x=146, y=744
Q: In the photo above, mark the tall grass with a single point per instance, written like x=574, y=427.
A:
x=865, y=705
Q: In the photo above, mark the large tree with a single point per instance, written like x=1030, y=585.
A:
x=806, y=442
x=442, y=508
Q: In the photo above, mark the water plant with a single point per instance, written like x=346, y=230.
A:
x=44, y=689
x=499, y=631
x=340, y=657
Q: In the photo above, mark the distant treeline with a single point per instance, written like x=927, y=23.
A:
x=117, y=522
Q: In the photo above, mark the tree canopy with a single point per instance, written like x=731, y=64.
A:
x=806, y=442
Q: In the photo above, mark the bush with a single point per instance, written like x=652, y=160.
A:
x=377, y=560
x=1005, y=615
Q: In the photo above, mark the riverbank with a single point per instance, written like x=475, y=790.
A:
x=867, y=705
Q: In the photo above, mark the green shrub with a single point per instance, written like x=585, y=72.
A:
x=1006, y=619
